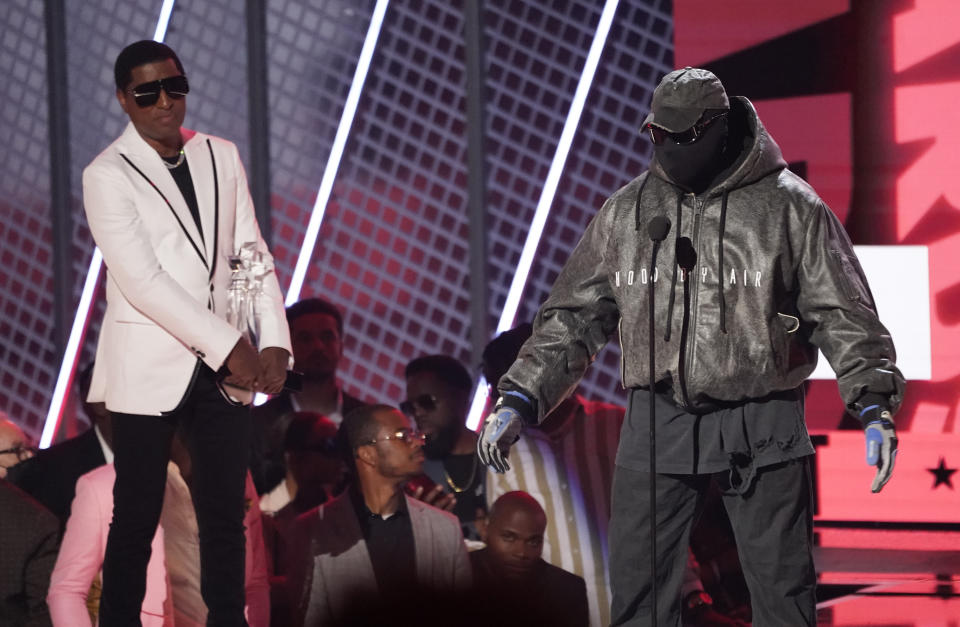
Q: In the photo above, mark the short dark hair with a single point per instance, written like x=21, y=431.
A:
x=360, y=426
x=447, y=369
x=299, y=435
x=502, y=351
x=140, y=53
x=315, y=306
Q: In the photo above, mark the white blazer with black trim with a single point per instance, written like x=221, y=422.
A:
x=167, y=285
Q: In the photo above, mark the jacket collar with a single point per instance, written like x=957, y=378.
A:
x=198, y=156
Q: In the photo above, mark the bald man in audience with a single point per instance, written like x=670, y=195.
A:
x=517, y=586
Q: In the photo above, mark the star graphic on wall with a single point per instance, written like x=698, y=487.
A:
x=942, y=474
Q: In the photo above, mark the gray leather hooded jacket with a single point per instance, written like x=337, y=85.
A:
x=775, y=277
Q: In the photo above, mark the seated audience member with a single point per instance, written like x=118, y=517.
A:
x=29, y=536
x=316, y=335
x=566, y=463
x=516, y=586
x=173, y=573
x=315, y=466
x=15, y=446
x=182, y=548
x=438, y=399
x=374, y=555
x=51, y=476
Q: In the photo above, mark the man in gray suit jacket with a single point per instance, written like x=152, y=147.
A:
x=374, y=549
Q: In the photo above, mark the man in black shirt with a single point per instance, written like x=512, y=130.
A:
x=364, y=556
x=524, y=589
x=317, y=337
x=438, y=398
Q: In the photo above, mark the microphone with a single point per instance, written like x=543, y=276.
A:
x=294, y=381
x=686, y=254
x=658, y=228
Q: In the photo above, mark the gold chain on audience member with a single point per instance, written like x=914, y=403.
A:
x=473, y=473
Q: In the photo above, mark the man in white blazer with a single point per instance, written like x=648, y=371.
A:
x=168, y=206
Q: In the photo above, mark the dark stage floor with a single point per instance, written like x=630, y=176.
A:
x=892, y=578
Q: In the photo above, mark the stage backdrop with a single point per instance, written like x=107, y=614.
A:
x=860, y=97
x=392, y=251
x=859, y=94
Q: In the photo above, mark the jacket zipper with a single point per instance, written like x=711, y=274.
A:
x=689, y=350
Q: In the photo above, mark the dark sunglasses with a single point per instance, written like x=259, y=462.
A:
x=426, y=402
x=22, y=451
x=691, y=135
x=147, y=94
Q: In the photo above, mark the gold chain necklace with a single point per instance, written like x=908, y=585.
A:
x=179, y=162
x=473, y=473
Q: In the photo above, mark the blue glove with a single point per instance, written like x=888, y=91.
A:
x=881, y=443
x=500, y=431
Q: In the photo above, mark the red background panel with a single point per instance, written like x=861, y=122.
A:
x=844, y=480
x=705, y=29
x=861, y=97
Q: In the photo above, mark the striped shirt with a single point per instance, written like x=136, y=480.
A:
x=570, y=473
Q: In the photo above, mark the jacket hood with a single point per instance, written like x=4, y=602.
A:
x=760, y=155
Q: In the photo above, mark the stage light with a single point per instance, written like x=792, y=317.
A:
x=69, y=365
x=333, y=161
x=165, y=11
x=71, y=354
x=519, y=282
x=336, y=152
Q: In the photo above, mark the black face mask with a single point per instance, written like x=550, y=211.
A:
x=693, y=166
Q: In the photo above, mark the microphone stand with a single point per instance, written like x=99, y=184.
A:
x=658, y=228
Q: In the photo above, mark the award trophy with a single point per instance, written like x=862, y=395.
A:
x=248, y=269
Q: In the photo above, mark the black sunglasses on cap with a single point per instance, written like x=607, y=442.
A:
x=691, y=135
x=147, y=94
x=426, y=402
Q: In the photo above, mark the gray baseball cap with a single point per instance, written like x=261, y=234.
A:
x=682, y=97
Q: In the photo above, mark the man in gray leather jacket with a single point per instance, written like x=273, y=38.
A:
x=756, y=274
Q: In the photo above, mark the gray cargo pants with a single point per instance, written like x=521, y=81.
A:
x=772, y=522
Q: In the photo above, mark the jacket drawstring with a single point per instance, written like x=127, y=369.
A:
x=723, y=301
x=673, y=280
x=636, y=210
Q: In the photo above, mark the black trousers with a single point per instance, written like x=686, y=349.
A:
x=217, y=437
x=772, y=523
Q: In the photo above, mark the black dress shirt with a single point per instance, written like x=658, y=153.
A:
x=390, y=544
x=181, y=174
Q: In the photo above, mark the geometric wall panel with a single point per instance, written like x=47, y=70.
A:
x=393, y=250
x=26, y=254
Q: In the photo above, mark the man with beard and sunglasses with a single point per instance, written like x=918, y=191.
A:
x=760, y=274
x=168, y=207
x=438, y=398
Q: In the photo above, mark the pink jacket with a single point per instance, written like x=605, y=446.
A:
x=81, y=557
x=84, y=545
